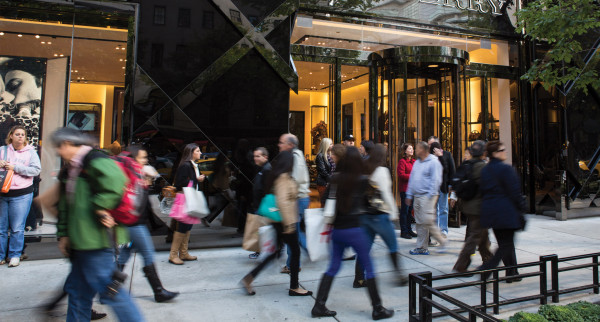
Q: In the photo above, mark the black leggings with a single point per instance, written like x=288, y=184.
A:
x=292, y=242
x=505, y=252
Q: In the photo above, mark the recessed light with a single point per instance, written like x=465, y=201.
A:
x=43, y=42
x=49, y=43
x=1, y=33
x=61, y=55
x=122, y=48
x=432, y=66
x=123, y=67
x=37, y=36
x=121, y=59
x=55, y=55
x=76, y=71
x=118, y=47
x=310, y=73
x=19, y=35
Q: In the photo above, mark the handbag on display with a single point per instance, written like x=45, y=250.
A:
x=268, y=208
x=6, y=176
x=195, y=202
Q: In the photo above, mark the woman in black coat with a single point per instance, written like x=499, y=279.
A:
x=325, y=167
x=502, y=207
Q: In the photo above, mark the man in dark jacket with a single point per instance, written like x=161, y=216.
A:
x=261, y=159
x=447, y=162
x=477, y=236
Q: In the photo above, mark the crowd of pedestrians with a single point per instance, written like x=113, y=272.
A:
x=99, y=243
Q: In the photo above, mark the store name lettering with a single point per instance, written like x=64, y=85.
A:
x=482, y=6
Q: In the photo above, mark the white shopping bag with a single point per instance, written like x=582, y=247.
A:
x=267, y=237
x=195, y=203
x=318, y=236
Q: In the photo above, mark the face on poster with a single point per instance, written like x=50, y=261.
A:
x=21, y=80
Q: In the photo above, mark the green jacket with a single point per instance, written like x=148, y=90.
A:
x=99, y=186
x=473, y=207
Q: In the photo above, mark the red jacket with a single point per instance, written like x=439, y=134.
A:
x=403, y=170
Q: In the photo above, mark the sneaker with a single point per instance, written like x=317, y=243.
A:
x=14, y=262
x=433, y=243
x=445, y=234
x=285, y=270
x=419, y=251
x=254, y=255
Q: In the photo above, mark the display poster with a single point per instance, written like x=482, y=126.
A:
x=21, y=84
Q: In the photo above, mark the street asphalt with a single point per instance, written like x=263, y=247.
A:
x=210, y=289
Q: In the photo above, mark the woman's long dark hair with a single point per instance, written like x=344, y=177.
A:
x=350, y=170
x=188, y=152
x=283, y=163
x=377, y=158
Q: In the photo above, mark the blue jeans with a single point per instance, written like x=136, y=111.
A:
x=141, y=242
x=405, y=210
x=442, y=212
x=91, y=273
x=351, y=237
x=380, y=225
x=13, y=214
x=302, y=206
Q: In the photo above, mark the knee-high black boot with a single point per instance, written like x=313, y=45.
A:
x=320, y=309
x=160, y=294
x=401, y=279
x=359, y=275
x=379, y=312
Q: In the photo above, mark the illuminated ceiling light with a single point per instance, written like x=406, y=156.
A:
x=122, y=48
x=118, y=47
x=61, y=55
x=55, y=55
x=49, y=43
x=432, y=66
x=19, y=35
x=322, y=67
x=1, y=33
x=43, y=42
x=37, y=36
x=123, y=67
x=76, y=71
x=310, y=73
x=121, y=59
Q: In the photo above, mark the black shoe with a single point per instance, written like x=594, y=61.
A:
x=160, y=294
x=97, y=316
x=380, y=313
x=406, y=236
x=359, y=284
x=412, y=233
x=516, y=279
x=351, y=258
x=294, y=293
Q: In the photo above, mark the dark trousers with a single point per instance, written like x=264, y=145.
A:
x=291, y=240
x=505, y=252
x=405, y=214
x=476, y=237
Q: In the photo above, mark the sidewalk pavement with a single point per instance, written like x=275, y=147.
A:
x=210, y=289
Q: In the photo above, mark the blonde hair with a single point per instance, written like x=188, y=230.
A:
x=324, y=147
x=12, y=131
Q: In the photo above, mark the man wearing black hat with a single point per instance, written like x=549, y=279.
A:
x=477, y=236
x=349, y=140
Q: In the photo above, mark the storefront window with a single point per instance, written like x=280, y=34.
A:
x=355, y=95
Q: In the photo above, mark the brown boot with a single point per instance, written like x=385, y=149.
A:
x=183, y=250
x=175, y=246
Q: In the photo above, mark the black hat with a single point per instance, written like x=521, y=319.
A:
x=349, y=137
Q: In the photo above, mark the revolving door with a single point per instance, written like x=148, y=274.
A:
x=418, y=92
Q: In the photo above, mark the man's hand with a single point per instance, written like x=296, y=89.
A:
x=201, y=178
x=63, y=246
x=452, y=203
x=408, y=202
x=438, y=152
x=105, y=218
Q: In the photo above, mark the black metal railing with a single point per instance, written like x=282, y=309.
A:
x=429, y=297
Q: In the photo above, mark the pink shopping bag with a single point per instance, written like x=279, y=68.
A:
x=178, y=212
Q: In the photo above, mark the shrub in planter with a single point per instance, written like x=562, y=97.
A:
x=555, y=313
x=527, y=317
x=587, y=311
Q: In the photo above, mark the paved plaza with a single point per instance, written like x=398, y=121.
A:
x=210, y=290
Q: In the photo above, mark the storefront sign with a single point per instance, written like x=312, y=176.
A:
x=482, y=6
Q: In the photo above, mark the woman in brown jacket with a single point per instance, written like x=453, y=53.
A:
x=281, y=183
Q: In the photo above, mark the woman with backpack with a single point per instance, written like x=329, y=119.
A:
x=187, y=172
x=501, y=208
x=280, y=183
x=139, y=234
x=349, y=187
x=381, y=211
x=21, y=158
x=403, y=170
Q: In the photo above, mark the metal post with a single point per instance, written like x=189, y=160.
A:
x=595, y=272
x=428, y=308
x=412, y=297
x=496, y=293
x=554, y=272
x=483, y=296
x=544, y=279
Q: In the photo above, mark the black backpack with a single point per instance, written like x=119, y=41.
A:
x=462, y=184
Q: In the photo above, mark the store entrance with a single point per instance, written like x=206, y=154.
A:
x=420, y=93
